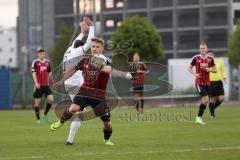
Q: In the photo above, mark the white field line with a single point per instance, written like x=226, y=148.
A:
x=124, y=153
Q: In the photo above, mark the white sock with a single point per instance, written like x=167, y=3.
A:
x=73, y=129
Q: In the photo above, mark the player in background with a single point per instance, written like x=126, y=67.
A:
x=41, y=72
x=216, y=87
x=138, y=68
x=204, y=64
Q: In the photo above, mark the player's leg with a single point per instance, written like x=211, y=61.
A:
x=212, y=95
x=73, y=130
x=74, y=125
x=107, y=130
x=49, y=102
x=68, y=113
x=203, y=91
x=141, y=100
x=101, y=109
x=220, y=95
x=37, y=100
x=211, y=106
x=136, y=99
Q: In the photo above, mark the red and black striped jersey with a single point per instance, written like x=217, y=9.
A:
x=95, y=82
x=135, y=67
x=42, y=69
x=201, y=63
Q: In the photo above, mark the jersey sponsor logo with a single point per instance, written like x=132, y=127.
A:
x=203, y=65
x=43, y=68
x=92, y=73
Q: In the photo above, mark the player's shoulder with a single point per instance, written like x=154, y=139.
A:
x=196, y=56
x=47, y=60
x=210, y=57
x=35, y=61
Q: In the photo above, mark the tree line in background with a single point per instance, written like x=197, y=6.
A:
x=145, y=39
x=139, y=31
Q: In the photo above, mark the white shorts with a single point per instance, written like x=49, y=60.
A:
x=73, y=84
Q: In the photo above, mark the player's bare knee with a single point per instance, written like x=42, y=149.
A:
x=205, y=100
x=74, y=108
x=221, y=98
x=37, y=101
x=50, y=99
x=107, y=125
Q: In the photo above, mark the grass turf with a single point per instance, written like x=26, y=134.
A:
x=163, y=133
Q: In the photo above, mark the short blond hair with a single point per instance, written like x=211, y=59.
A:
x=98, y=40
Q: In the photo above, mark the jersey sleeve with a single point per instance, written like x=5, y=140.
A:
x=144, y=67
x=87, y=45
x=79, y=37
x=223, y=75
x=80, y=64
x=49, y=67
x=34, y=66
x=212, y=62
x=193, y=63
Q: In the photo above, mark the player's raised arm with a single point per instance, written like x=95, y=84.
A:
x=84, y=28
x=87, y=45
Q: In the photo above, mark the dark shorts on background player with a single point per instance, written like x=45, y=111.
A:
x=203, y=90
x=216, y=88
x=99, y=105
x=138, y=89
x=43, y=90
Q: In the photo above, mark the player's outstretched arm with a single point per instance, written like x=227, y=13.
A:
x=87, y=45
x=121, y=74
x=65, y=77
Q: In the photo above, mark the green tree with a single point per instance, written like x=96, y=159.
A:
x=234, y=46
x=144, y=37
x=61, y=44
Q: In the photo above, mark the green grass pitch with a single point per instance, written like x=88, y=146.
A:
x=164, y=133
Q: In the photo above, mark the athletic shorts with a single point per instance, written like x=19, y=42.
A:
x=216, y=88
x=99, y=105
x=203, y=90
x=43, y=90
x=138, y=89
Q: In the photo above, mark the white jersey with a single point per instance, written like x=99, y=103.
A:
x=71, y=58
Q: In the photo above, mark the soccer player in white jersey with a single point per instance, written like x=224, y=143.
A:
x=72, y=56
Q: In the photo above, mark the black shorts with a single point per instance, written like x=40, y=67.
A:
x=203, y=90
x=216, y=88
x=138, y=89
x=99, y=105
x=43, y=90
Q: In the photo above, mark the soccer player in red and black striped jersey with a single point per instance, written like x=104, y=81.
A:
x=93, y=89
x=203, y=64
x=41, y=70
x=138, y=68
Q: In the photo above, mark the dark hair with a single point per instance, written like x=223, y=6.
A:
x=40, y=50
x=78, y=43
x=203, y=44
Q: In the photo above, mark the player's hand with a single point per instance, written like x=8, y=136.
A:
x=88, y=21
x=207, y=69
x=197, y=75
x=225, y=80
x=128, y=76
x=37, y=85
x=84, y=27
